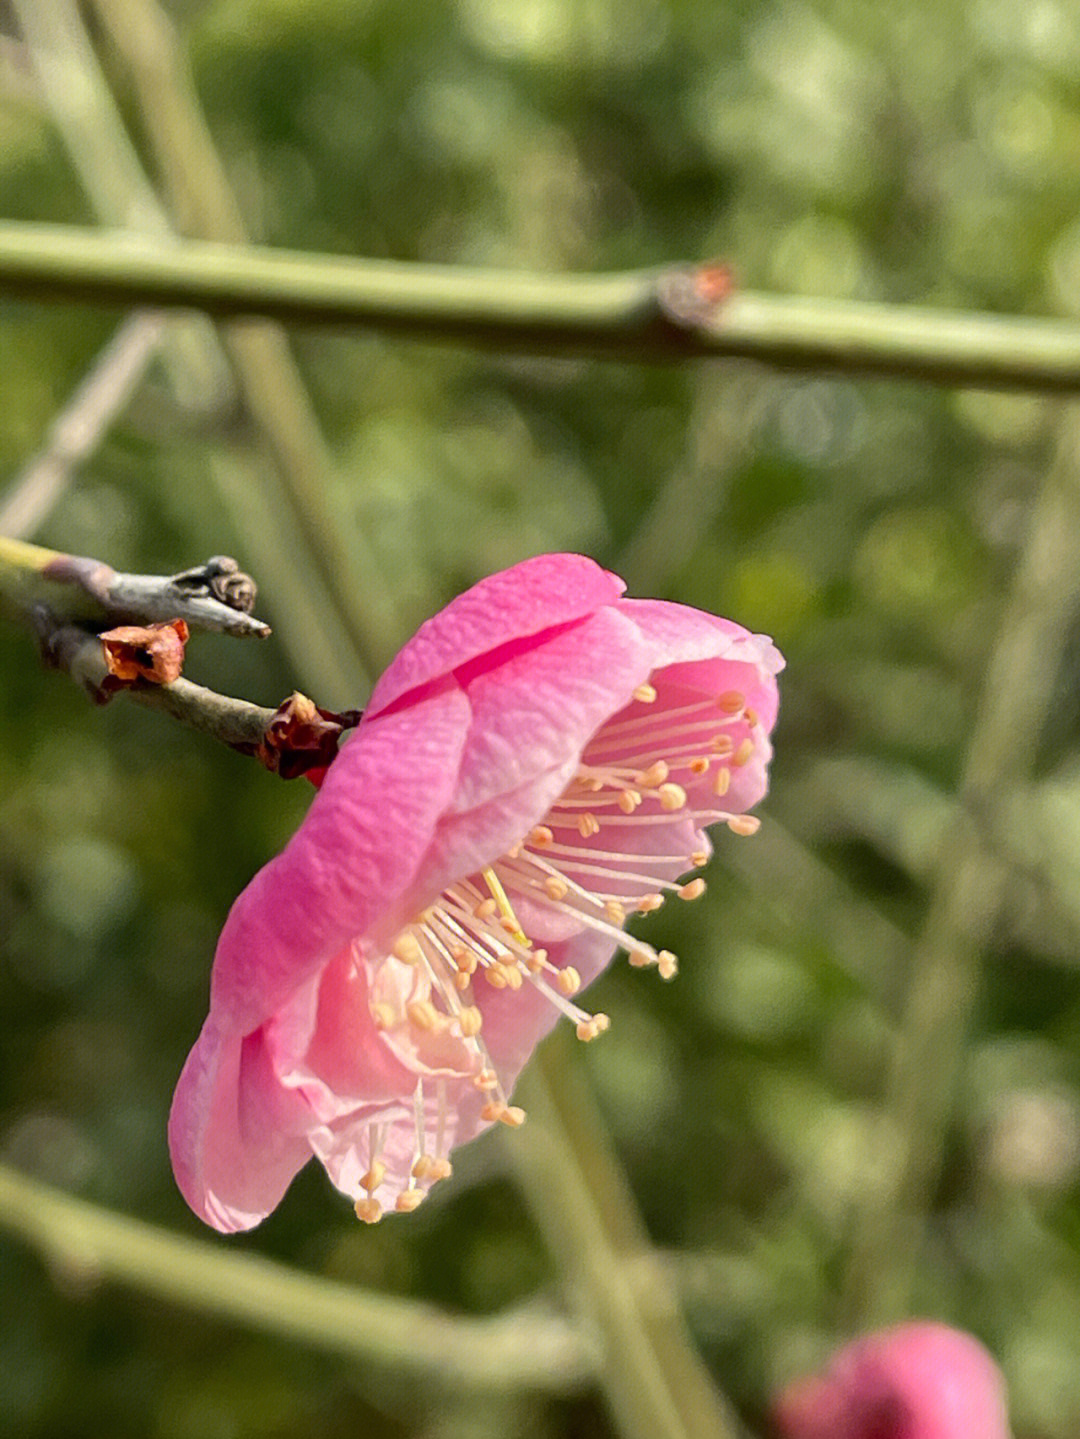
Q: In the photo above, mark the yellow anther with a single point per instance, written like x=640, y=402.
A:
x=423, y=1015
x=722, y=783
x=568, y=981
x=645, y=694
x=493, y=1110
x=424, y=1167
x=628, y=800
x=731, y=701
x=693, y=890
x=465, y=959
x=588, y=1029
x=440, y=1169
x=485, y=1079
x=588, y=825
x=541, y=837
x=374, y=1177
x=383, y=1016
x=556, y=888
x=505, y=908
x=369, y=1210
x=512, y=1116
x=672, y=796
x=495, y=974
x=407, y=948
x=649, y=902
x=743, y=753
x=744, y=824
x=535, y=962
x=721, y=744
x=699, y=857
x=751, y=717
x=462, y=980
x=615, y=911
x=667, y=964
x=471, y=1020
x=408, y=1200
x=486, y=909
x=656, y=774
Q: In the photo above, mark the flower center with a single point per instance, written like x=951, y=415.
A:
x=620, y=839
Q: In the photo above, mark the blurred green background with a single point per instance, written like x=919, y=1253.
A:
x=922, y=152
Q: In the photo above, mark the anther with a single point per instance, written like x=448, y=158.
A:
x=408, y=1200
x=649, y=902
x=568, y=981
x=589, y=1029
x=699, y=765
x=424, y=1167
x=744, y=824
x=513, y=976
x=751, y=717
x=672, y=796
x=407, y=948
x=512, y=1116
x=369, y=1210
x=588, y=825
x=540, y=837
x=667, y=964
x=699, y=857
x=471, y=1020
x=423, y=1014
x=493, y=1110
x=722, y=782
x=485, y=909
x=693, y=890
x=656, y=774
x=743, y=753
x=440, y=1169
x=495, y=974
x=374, y=1177
x=628, y=800
x=615, y=911
x=731, y=701
x=645, y=694
x=556, y=888
x=383, y=1016
x=485, y=1079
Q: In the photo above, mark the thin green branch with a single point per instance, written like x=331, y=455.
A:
x=630, y=316
x=655, y=1383
x=522, y=1350
x=966, y=900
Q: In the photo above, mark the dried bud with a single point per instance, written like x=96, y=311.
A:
x=237, y=590
x=301, y=737
x=149, y=652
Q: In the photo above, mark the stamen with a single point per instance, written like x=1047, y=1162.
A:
x=645, y=694
x=369, y=1210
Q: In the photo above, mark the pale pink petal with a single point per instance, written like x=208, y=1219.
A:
x=236, y=1138
x=506, y=609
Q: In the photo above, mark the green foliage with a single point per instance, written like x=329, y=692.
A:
x=923, y=153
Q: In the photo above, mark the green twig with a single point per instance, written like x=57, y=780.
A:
x=620, y=316
x=402, y=1337
x=655, y=1383
x=943, y=982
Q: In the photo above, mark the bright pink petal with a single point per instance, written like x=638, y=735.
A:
x=345, y=869
x=504, y=609
x=920, y=1380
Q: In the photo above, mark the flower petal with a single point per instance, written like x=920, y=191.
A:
x=348, y=865
x=503, y=609
x=235, y=1136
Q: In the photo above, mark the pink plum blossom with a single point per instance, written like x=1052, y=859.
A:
x=920, y=1380
x=539, y=762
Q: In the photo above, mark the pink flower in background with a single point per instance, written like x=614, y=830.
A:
x=537, y=763
x=921, y=1380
